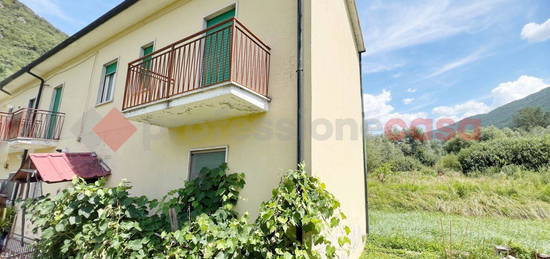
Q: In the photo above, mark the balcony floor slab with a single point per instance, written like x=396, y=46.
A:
x=218, y=102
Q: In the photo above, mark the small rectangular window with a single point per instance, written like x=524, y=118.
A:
x=107, y=83
x=146, y=50
x=210, y=159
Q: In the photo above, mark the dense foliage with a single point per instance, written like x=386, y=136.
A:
x=530, y=117
x=529, y=152
x=94, y=221
x=23, y=36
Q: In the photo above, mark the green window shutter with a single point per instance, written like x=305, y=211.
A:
x=208, y=160
x=220, y=18
x=110, y=69
x=147, y=50
x=216, y=60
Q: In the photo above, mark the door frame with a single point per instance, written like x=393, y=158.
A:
x=218, y=12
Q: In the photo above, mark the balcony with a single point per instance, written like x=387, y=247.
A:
x=30, y=129
x=215, y=74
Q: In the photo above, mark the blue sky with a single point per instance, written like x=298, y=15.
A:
x=425, y=58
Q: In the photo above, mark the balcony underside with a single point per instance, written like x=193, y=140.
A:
x=217, y=102
x=20, y=144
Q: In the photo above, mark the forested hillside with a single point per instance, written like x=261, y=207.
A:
x=503, y=116
x=23, y=36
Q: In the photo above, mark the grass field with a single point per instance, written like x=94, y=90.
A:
x=453, y=216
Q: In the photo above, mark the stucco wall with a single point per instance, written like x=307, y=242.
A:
x=155, y=159
x=334, y=105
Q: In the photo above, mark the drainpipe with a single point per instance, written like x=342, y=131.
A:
x=299, y=81
x=4, y=91
x=364, y=142
x=299, y=86
x=42, y=83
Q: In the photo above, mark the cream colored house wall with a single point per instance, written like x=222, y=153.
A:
x=333, y=103
x=154, y=159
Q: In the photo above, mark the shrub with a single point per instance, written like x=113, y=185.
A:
x=456, y=144
x=449, y=162
x=491, y=133
x=405, y=163
x=426, y=156
x=7, y=221
x=531, y=153
x=94, y=221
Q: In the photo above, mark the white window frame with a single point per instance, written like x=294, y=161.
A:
x=143, y=47
x=100, y=92
x=202, y=151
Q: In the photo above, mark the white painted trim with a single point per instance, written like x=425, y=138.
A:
x=217, y=12
x=62, y=86
x=166, y=103
x=356, y=25
x=102, y=80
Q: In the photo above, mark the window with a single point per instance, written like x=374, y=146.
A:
x=210, y=159
x=107, y=83
x=146, y=50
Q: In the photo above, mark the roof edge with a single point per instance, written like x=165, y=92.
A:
x=356, y=25
x=98, y=22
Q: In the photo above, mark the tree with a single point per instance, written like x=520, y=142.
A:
x=531, y=117
x=456, y=144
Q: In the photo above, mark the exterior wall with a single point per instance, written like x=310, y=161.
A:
x=154, y=159
x=333, y=104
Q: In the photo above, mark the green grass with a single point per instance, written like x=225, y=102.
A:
x=432, y=234
x=521, y=196
x=416, y=215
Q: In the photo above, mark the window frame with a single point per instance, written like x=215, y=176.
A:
x=100, y=92
x=204, y=151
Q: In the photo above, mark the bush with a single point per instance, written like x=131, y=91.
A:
x=93, y=221
x=531, y=153
x=456, y=144
x=449, y=162
x=405, y=163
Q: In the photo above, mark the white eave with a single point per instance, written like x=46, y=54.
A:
x=356, y=25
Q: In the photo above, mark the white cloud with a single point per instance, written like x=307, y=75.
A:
x=460, y=111
x=515, y=90
x=534, y=32
x=411, y=90
x=502, y=94
x=394, y=25
x=458, y=63
x=378, y=107
x=372, y=68
x=408, y=100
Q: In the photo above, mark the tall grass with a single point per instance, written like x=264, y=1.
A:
x=436, y=235
x=520, y=195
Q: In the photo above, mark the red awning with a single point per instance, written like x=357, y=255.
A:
x=63, y=167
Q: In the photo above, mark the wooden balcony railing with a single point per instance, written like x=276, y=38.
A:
x=31, y=124
x=227, y=52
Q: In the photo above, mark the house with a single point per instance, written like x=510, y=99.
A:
x=159, y=89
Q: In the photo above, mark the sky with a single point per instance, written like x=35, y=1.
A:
x=425, y=58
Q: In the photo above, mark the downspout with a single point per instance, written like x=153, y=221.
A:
x=364, y=142
x=42, y=83
x=299, y=86
x=299, y=81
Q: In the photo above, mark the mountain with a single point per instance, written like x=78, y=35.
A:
x=503, y=116
x=24, y=36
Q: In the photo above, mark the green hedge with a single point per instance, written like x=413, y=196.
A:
x=531, y=153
